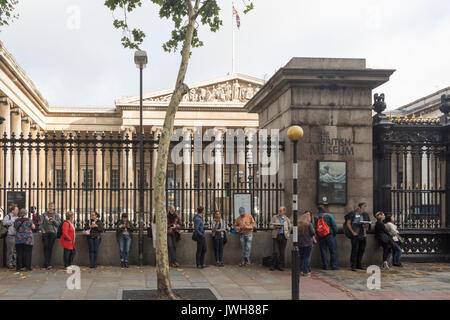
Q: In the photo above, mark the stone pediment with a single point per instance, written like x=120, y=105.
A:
x=236, y=89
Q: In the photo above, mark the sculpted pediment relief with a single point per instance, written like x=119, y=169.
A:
x=227, y=91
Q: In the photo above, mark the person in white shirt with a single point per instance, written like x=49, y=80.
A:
x=392, y=229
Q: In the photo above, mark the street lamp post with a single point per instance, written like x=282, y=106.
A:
x=294, y=134
x=140, y=58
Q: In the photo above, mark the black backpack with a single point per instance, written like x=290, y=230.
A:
x=347, y=232
x=59, y=232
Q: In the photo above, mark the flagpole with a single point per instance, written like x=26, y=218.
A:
x=233, y=58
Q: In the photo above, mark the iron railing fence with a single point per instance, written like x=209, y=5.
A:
x=99, y=172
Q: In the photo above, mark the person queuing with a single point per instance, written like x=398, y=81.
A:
x=24, y=240
x=306, y=239
x=173, y=235
x=244, y=225
x=123, y=236
x=384, y=238
x=281, y=229
x=326, y=229
x=392, y=229
x=50, y=222
x=358, y=222
x=219, y=236
x=8, y=221
x=94, y=228
x=200, y=237
x=67, y=240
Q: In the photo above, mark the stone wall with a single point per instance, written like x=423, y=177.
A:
x=186, y=248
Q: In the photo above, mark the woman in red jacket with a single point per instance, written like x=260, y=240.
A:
x=67, y=240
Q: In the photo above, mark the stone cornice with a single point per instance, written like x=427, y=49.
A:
x=301, y=75
x=11, y=67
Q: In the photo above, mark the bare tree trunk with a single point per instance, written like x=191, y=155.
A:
x=162, y=260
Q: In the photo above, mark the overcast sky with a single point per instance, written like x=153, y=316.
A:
x=87, y=65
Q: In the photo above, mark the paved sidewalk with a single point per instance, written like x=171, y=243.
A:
x=415, y=281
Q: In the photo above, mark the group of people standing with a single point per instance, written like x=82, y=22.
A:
x=20, y=237
x=320, y=229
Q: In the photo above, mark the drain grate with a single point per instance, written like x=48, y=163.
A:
x=185, y=294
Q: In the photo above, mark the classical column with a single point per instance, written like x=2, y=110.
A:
x=128, y=168
x=33, y=168
x=16, y=129
x=156, y=131
x=219, y=164
x=41, y=180
x=187, y=170
x=25, y=157
x=5, y=127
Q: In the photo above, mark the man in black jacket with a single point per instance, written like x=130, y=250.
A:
x=358, y=222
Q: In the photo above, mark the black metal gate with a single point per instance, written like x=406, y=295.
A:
x=412, y=176
x=85, y=172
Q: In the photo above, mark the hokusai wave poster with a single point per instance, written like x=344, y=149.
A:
x=332, y=182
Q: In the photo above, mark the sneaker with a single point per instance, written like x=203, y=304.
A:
x=177, y=264
x=126, y=264
x=49, y=267
x=280, y=268
x=361, y=268
x=205, y=266
x=308, y=275
x=222, y=265
x=335, y=268
x=241, y=264
x=272, y=268
x=353, y=269
x=386, y=265
x=122, y=265
x=199, y=267
x=217, y=264
x=398, y=265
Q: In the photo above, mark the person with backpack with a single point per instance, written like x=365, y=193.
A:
x=123, y=236
x=67, y=239
x=8, y=222
x=219, y=234
x=94, y=228
x=281, y=229
x=200, y=236
x=173, y=235
x=24, y=240
x=326, y=230
x=358, y=223
x=50, y=222
x=306, y=239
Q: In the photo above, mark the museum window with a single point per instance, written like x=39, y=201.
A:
x=139, y=179
x=60, y=178
x=115, y=180
x=88, y=179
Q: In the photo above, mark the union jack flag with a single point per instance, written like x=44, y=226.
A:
x=238, y=19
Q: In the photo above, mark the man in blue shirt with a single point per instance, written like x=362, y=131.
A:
x=199, y=230
x=328, y=242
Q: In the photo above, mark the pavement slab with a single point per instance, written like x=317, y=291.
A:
x=414, y=281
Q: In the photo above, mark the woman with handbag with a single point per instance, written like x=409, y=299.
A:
x=392, y=229
x=219, y=237
x=93, y=230
x=67, y=240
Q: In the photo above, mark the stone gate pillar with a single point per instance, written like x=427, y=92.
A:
x=332, y=100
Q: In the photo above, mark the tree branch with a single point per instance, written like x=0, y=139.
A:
x=201, y=8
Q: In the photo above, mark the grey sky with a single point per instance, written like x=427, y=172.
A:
x=88, y=66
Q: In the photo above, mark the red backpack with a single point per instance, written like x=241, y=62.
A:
x=322, y=227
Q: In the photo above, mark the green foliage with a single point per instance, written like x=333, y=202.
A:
x=181, y=12
x=7, y=11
